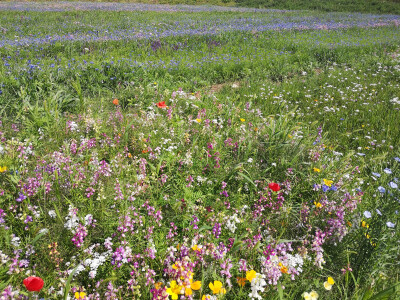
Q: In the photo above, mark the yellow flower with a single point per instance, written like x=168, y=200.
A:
x=3, y=169
x=329, y=283
x=242, y=120
x=196, y=248
x=328, y=182
x=316, y=170
x=174, y=290
x=217, y=287
x=206, y=297
x=80, y=295
x=317, y=204
x=364, y=224
x=250, y=275
x=198, y=120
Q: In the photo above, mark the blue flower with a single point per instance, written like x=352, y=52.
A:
x=387, y=171
x=325, y=188
x=367, y=214
x=376, y=174
x=390, y=224
x=397, y=159
x=393, y=185
x=381, y=189
x=378, y=212
x=333, y=188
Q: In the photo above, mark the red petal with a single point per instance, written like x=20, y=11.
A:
x=33, y=284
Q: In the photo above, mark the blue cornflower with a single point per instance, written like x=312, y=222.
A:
x=325, y=188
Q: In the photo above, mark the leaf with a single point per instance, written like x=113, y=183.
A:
x=248, y=179
x=280, y=291
x=386, y=293
x=45, y=231
x=68, y=285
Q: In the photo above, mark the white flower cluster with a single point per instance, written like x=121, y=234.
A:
x=95, y=262
x=231, y=222
x=257, y=285
x=72, y=219
x=295, y=261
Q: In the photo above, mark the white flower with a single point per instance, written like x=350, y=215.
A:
x=327, y=285
x=52, y=213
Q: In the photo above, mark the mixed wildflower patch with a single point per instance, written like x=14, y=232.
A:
x=279, y=187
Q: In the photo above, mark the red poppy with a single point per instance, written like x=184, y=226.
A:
x=33, y=284
x=161, y=104
x=274, y=186
x=115, y=101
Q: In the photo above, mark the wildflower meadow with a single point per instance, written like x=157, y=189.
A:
x=154, y=151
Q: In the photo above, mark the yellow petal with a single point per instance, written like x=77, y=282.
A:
x=331, y=281
x=250, y=275
x=196, y=285
x=188, y=292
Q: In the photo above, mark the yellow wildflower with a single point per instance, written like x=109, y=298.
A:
x=250, y=275
x=317, y=204
x=242, y=120
x=3, y=169
x=328, y=182
x=329, y=283
x=217, y=288
x=80, y=295
x=198, y=121
x=174, y=290
x=364, y=224
x=316, y=170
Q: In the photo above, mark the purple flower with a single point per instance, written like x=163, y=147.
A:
x=367, y=214
x=390, y=224
x=21, y=197
x=387, y=171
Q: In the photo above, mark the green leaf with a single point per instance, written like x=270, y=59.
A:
x=386, y=293
x=68, y=285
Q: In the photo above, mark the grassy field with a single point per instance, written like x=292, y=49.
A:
x=197, y=152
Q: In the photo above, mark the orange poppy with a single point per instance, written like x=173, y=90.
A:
x=161, y=104
x=115, y=101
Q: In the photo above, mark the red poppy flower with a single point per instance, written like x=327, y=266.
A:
x=33, y=284
x=274, y=186
x=115, y=101
x=161, y=104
